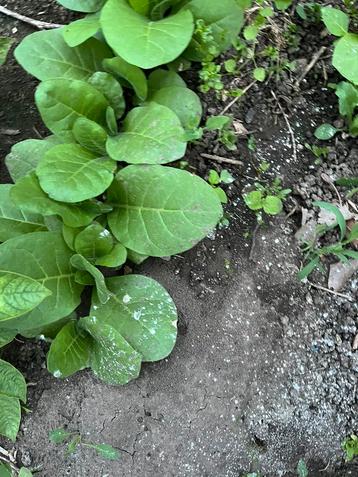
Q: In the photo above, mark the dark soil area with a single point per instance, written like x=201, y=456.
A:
x=264, y=372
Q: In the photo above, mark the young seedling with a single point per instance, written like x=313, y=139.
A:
x=226, y=134
x=215, y=180
x=350, y=447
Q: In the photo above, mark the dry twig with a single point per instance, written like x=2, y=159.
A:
x=245, y=90
x=319, y=287
x=292, y=134
x=214, y=157
x=40, y=25
x=310, y=65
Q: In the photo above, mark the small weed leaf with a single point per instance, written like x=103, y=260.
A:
x=345, y=57
x=214, y=178
x=25, y=472
x=336, y=21
x=308, y=269
x=107, y=451
x=325, y=131
x=217, y=122
x=272, y=205
x=350, y=446
x=283, y=4
x=302, y=470
x=254, y=200
x=259, y=74
x=348, y=99
x=81, y=30
x=5, y=45
x=86, y=6
x=57, y=436
x=341, y=221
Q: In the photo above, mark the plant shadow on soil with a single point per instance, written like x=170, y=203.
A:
x=263, y=373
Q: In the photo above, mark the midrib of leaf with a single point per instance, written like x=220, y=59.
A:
x=3, y=217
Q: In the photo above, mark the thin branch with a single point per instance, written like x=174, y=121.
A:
x=245, y=90
x=310, y=65
x=292, y=134
x=319, y=287
x=214, y=157
x=36, y=23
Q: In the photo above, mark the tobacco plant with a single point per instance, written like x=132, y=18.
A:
x=99, y=189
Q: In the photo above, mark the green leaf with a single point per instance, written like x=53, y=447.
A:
x=25, y=155
x=81, y=30
x=141, y=41
x=14, y=221
x=140, y=6
x=226, y=177
x=230, y=65
x=325, y=131
x=142, y=311
x=69, y=351
x=336, y=21
x=115, y=258
x=81, y=263
x=217, y=122
x=251, y=32
x=214, y=177
x=221, y=195
x=12, y=382
x=5, y=45
x=151, y=135
x=25, y=472
x=353, y=128
x=28, y=195
x=259, y=74
x=224, y=19
x=111, y=90
x=5, y=470
x=112, y=358
x=130, y=73
x=135, y=257
x=59, y=435
x=90, y=135
x=345, y=57
x=106, y=451
x=86, y=6
x=183, y=102
x=6, y=336
x=282, y=4
x=347, y=182
x=254, y=200
x=302, y=470
x=81, y=173
x=348, y=98
x=111, y=121
x=159, y=79
x=19, y=294
x=62, y=101
x=46, y=55
x=44, y=257
x=180, y=210
x=308, y=269
x=341, y=221
x=272, y=205
x=94, y=241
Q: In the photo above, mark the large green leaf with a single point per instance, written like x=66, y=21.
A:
x=183, y=101
x=46, y=55
x=150, y=135
x=140, y=6
x=19, y=294
x=161, y=211
x=28, y=195
x=25, y=155
x=81, y=263
x=93, y=242
x=62, y=101
x=131, y=74
x=81, y=30
x=345, y=57
x=142, y=311
x=225, y=19
x=44, y=257
x=69, y=173
x=160, y=78
x=348, y=98
x=336, y=21
x=90, y=135
x=142, y=42
x=86, y=6
x=69, y=351
x=13, y=220
x=112, y=358
x=111, y=90
x=12, y=390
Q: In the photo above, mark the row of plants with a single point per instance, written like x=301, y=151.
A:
x=101, y=190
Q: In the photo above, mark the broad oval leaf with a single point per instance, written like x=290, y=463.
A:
x=81, y=174
x=112, y=358
x=86, y=6
x=10, y=416
x=130, y=73
x=69, y=351
x=345, y=57
x=336, y=21
x=12, y=381
x=115, y=258
x=93, y=242
x=111, y=90
x=25, y=155
x=28, y=196
x=150, y=135
x=46, y=55
x=160, y=78
x=82, y=264
x=142, y=42
x=90, y=135
x=325, y=131
x=13, y=220
x=143, y=312
x=6, y=336
x=81, y=30
x=19, y=294
x=161, y=211
x=183, y=102
x=62, y=101
x=44, y=257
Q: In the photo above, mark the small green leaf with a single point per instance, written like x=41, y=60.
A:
x=81, y=263
x=81, y=30
x=69, y=351
x=217, y=122
x=251, y=32
x=130, y=73
x=347, y=182
x=214, y=177
x=267, y=12
x=282, y=4
x=325, y=131
x=226, y=177
x=259, y=74
x=5, y=45
x=111, y=90
x=94, y=242
x=230, y=65
x=90, y=135
x=302, y=470
x=345, y=57
x=57, y=436
x=115, y=258
x=154, y=129
x=86, y=6
x=81, y=173
x=25, y=472
x=221, y=194
x=348, y=98
x=254, y=200
x=272, y=205
x=73, y=444
x=106, y=451
x=341, y=221
x=308, y=269
x=336, y=21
